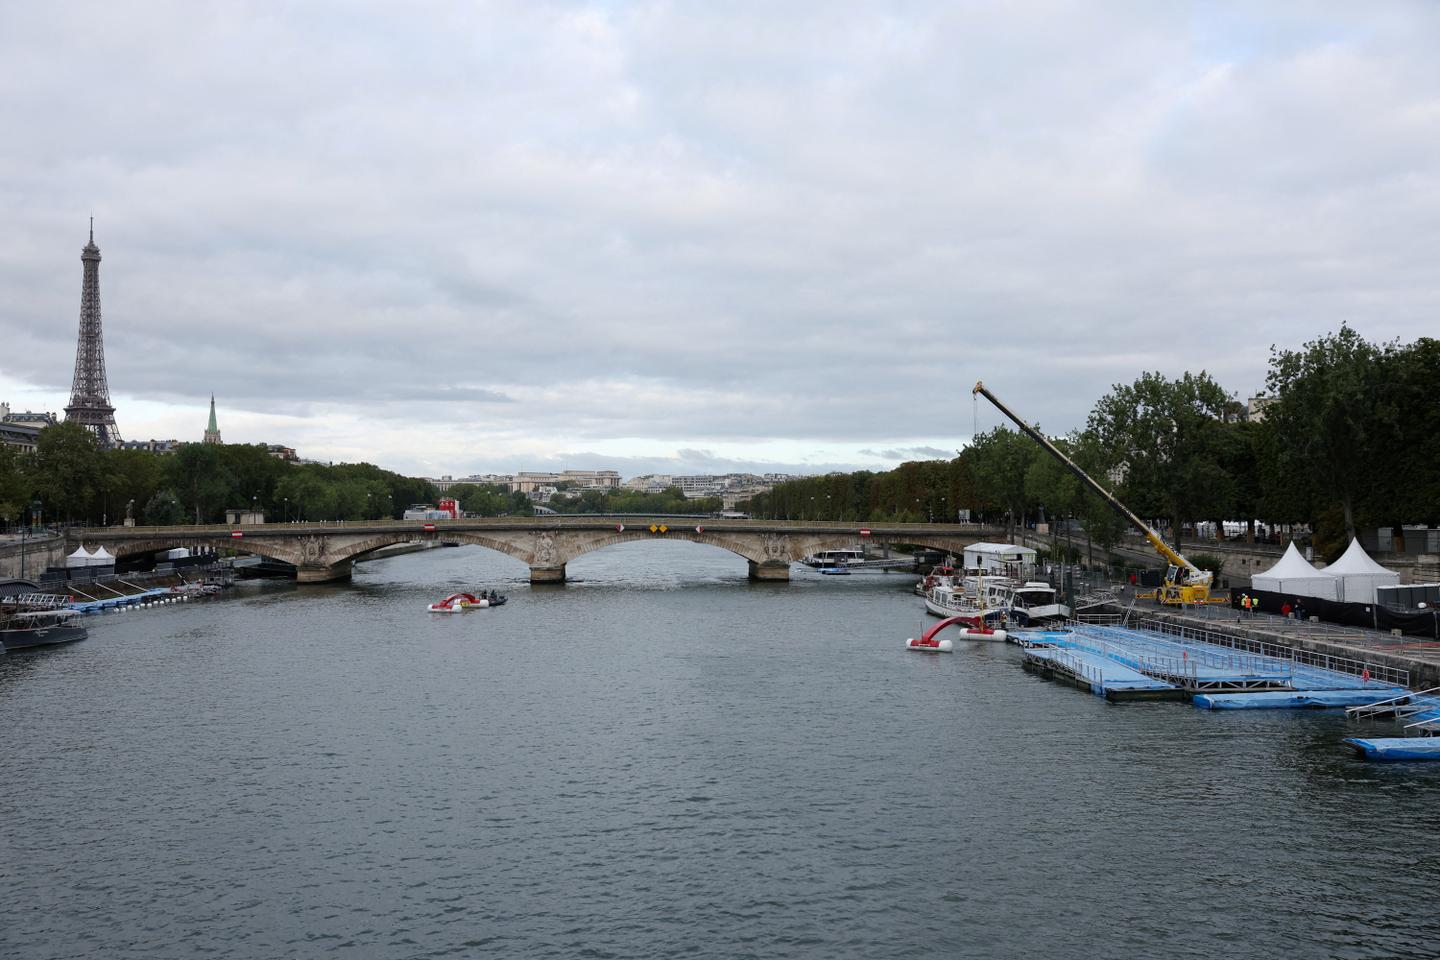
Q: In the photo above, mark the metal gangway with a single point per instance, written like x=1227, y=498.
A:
x=37, y=601
x=1399, y=708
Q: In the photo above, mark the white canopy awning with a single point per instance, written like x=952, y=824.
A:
x=1294, y=575
x=80, y=558
x=1359, y=575
x=102, y=558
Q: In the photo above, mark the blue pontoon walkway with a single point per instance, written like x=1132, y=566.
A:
x=1218, y=677
x=1099, y=674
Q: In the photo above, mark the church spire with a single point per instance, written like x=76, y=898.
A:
x=212, y=432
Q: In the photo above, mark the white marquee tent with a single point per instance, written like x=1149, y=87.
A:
x=80, y=558
x=1359, y=575
x=102, y=558
x=1294, y=575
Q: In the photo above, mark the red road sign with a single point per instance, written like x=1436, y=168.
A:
x=429, y=528
x=236, y=534
x=864, y=533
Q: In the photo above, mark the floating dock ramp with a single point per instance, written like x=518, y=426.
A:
x=1097, y=673
x=1121, y=663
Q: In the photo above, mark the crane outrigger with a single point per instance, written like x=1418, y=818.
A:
x=1184, y=582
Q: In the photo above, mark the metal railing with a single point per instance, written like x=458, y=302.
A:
x=1382, y=673
x=1388, y=705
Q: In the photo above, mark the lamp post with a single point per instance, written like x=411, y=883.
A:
x=286, y=501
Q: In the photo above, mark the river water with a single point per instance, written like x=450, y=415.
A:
x=661, y=759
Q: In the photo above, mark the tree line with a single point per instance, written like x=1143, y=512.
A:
x=1348, y=437
x=70, y=479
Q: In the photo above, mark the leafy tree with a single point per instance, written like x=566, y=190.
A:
x=1000, y=460
x=163, y=509
x=1323, y=421
x=14, y=485
x=68, y=470
x=1167, y=436
x=198, y=475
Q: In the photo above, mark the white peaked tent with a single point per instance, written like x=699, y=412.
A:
x=80, y=558
x=1359, y=575
x=102, y=558
x=1294, y=575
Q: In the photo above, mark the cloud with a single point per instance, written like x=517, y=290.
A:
x=637, y=228
x=910, y=453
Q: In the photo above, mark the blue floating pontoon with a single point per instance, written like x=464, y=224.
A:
x=1397, y=748
x=1296, y=699
x=1103, y=676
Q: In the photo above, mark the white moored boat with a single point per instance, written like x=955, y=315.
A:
x=1034, y=602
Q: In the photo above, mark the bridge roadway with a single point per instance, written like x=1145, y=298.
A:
x=324, y=551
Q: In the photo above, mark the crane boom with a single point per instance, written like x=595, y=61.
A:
x=1193, y=575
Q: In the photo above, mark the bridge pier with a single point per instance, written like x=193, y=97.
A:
x=775, y=570
x=323, y=573
x=548, y=574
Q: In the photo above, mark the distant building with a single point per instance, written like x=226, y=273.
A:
x=281, y=452
x=152, y=446
x=212, y=432
x=1255, y=409
x=22, y=430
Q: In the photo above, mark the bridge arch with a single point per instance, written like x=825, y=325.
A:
x=271, y=550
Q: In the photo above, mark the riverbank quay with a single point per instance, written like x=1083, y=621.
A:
x=1279, y=636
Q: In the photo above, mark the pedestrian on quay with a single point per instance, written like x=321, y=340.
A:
x=1299, y=609
x=1245, y=604
x=1285, y=611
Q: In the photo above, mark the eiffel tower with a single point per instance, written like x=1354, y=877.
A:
x=89, y=393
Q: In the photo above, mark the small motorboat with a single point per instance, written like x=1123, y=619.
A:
x=839, y=569
x=459, y=603
x=930, y=645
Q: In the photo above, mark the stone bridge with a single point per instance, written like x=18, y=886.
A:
x=325, y=551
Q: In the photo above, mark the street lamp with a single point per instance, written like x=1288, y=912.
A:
x=286, y=501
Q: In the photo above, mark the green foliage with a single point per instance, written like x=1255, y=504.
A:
x=67, y=471
x=163, y=509
x=1168, y=436
x=1208, y=561
x=14, y=486
x=1001, y=463
x=669, y=501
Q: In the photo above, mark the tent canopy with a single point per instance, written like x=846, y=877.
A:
x=80, y=558
x=1294, y=574
x=1359, y=575
x=101, y=558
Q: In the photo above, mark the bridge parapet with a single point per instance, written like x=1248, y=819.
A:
x=324, y=551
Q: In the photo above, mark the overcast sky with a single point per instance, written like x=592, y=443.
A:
x=455, y=237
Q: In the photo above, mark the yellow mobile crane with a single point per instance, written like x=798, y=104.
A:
x=1184, y=582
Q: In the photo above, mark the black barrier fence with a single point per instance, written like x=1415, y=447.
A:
x=1417, y=623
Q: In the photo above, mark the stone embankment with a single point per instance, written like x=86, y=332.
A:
x=33, y=555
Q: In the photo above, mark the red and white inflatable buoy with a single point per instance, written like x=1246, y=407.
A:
x=930, y=646
x=983, y=633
